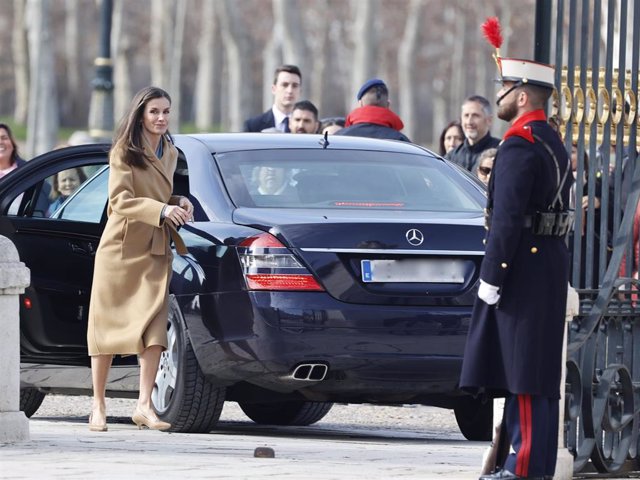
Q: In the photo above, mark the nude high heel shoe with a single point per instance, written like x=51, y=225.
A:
x=140, y=419
x=96, y=427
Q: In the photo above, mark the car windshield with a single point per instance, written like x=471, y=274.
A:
x=341, y=179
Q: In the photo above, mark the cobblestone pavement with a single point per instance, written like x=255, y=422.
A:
x=354, y=441
x=411, y=418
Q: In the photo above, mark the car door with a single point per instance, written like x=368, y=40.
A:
x=58, y=247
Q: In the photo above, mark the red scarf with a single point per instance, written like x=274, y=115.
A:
x=374, y=114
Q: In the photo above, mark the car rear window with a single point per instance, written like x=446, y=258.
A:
x=345, y=179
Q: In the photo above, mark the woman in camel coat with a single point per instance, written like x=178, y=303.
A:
x=128, y=311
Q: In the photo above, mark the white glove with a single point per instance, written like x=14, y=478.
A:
x=573, y=303
x=488, y=293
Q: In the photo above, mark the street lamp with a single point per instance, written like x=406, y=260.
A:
x=101, y=108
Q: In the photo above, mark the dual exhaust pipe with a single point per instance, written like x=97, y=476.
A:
x=310, y=372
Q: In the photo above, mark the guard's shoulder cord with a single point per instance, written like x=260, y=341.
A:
x=557, y=199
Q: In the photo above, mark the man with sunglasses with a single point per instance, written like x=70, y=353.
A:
x=514, y=344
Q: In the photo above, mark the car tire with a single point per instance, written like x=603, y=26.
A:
x=30, y=400
x=182, y=395
x=475, y=418
x=299, y=413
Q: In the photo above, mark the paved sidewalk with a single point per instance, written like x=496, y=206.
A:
x=64, y=448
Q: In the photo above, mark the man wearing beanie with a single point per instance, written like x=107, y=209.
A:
x=373, y=118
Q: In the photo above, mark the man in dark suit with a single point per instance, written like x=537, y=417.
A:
x=514, y=344
x=286, y=87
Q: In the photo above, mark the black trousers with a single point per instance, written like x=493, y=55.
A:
x=532, y=427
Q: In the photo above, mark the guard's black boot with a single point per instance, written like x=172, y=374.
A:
x=507, y=475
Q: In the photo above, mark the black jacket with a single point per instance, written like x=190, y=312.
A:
x=374, y=122
x=466, y=155
x=373, y=131
x=260, y=122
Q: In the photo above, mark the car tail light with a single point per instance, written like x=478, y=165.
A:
x=268, y=265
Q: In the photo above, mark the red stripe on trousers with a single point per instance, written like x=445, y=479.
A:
x=524, y=453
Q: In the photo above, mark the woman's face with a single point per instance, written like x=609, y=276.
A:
x=452, y=138
x=68, y=182
x=574, y=159
x=6, y=149
x=155, y=119
x=484, y=170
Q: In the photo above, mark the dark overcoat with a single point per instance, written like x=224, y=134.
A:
x=516, y=346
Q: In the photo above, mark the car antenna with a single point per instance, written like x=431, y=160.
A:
x=324, y=141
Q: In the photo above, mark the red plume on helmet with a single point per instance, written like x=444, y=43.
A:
x=493, y=33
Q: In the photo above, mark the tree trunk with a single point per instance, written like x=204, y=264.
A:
x=365, y=40
x=161, y=40
x=406, y=67
x=75, y=82
x=42, y=123
x=208, y=58
x=176, y=62
x=20, y=63
x=271, y=59
x=237, y=42
x=287, y=14
x=122, y=48
x=457, y=86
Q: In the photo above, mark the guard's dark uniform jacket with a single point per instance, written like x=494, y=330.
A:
x=516, y=346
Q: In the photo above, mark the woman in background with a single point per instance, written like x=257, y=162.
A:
x=451, y=137
x=64, y=184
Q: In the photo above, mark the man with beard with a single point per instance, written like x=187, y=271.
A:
x=514, y=344
x=476, y=119
x=304, y=118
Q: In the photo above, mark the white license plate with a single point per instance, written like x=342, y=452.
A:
x=413, y=270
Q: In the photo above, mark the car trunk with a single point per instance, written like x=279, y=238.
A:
x=375, y=257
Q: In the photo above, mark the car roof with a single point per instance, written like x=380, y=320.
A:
x=230, y=142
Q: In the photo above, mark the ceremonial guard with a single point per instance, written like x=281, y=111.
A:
x=514, y=345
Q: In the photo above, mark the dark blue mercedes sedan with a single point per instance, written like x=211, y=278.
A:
x=320, y=270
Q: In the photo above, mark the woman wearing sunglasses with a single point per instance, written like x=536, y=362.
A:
x=485, y=164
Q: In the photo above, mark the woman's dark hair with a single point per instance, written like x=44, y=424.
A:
x=327, y=122
x=453, y=123
x=14, y=155
x=128, y=137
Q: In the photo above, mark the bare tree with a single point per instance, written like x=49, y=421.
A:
x=42, y=120
x=406, y=66
x=176, y=63
x=75, y=79
x=238, y=43
x=365, y=39
x=206, y=97
x=20, y=63
x=294, y=46
x=161, y=40
x=122, y=47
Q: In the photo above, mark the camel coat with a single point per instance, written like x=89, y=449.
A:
x=128, y=311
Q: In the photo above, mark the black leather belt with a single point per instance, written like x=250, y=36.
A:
x=554, y=224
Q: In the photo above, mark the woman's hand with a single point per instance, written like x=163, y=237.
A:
x=176, y=215
x=186, y=204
